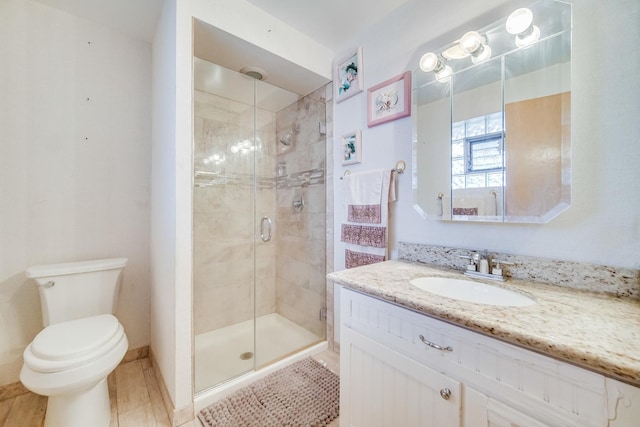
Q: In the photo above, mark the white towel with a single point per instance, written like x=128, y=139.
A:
x=365, y=233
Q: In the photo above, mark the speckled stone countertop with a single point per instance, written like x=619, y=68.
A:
x=595, y=331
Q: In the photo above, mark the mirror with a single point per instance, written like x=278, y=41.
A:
x=492, y=121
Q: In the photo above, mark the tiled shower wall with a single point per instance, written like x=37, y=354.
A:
x=293, y=282
x=301, y=236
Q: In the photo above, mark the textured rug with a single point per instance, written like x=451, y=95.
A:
x=302, y=394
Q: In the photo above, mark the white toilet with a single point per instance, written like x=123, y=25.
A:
x=81, y=344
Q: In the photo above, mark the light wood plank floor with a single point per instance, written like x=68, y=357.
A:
x=135, y=399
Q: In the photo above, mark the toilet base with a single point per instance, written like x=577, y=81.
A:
x=90, y=407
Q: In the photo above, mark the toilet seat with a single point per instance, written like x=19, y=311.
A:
x=68, y=345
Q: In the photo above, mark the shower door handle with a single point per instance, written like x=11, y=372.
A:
x=263, y=221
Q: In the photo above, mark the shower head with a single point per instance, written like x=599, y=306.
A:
x=287, y=138
x=255, y=72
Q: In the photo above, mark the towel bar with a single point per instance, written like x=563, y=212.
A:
x=401, y=165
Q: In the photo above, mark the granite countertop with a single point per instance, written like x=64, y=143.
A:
x=595, y=331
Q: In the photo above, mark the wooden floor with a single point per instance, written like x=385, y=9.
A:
x=135, y=399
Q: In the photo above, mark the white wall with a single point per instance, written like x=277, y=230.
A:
x=603, y=224
x=74, y=163
x=163, y=196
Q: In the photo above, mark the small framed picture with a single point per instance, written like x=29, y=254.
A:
x=389, y=100
x=352, y=148
x=348, y=76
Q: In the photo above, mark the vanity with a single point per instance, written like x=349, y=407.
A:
x=410, y=357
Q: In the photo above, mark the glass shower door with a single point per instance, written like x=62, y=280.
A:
x=224, y=229
x=290, y=189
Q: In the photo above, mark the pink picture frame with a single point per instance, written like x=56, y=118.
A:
x=389, y=100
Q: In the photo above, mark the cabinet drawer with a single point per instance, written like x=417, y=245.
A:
x=539, y=384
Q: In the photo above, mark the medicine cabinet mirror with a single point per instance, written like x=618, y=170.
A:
x=492, y=121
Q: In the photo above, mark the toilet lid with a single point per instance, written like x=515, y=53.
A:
x=68, y=344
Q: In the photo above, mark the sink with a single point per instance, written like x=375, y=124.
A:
x=476, y=292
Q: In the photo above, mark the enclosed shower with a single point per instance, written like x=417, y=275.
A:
x=258, y=223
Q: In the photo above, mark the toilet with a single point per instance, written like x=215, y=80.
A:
x=81, y=343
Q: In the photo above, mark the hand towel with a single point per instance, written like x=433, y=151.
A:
x=367, y=197
x=483, y=204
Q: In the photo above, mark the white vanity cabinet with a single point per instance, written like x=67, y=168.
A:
x=401, y=368
x=383, y=387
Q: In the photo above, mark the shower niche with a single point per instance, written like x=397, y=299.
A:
x=258, y=263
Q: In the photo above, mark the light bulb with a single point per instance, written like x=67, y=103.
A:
x=481, y=54
x=429, y=62
x=471, y=41
x=519, y=21
x=444, y=74
x=528, y=37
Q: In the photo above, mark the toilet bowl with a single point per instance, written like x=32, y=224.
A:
x=70, y=359
x=70, y=362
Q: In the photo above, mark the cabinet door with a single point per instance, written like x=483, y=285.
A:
x=483, y=411
x=380, y=387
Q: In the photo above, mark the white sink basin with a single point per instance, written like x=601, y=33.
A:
x=476, y=292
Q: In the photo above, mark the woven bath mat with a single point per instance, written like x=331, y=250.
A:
x=302, y=394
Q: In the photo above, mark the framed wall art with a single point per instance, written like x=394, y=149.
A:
x=352, y=148
x=348, y=76
x=389, y=100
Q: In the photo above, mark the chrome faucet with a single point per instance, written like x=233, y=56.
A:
x=475, y=259
x=482, y=266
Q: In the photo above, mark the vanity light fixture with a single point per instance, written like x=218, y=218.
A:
x=476, y=45
x=520, y=24
x=430, y=62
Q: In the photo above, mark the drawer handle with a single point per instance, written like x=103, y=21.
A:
x=434, y=345
x=445, y=393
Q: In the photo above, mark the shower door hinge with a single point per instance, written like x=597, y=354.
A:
x=323, y=314
x=322, y=128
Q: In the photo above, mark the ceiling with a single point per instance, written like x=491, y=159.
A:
x=329, y=22
x=219, y=47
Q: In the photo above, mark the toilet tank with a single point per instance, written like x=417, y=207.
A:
x=76, y=290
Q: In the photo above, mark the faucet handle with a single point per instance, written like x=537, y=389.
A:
x=497, y=271
x=474, y=259
x=473, y=256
